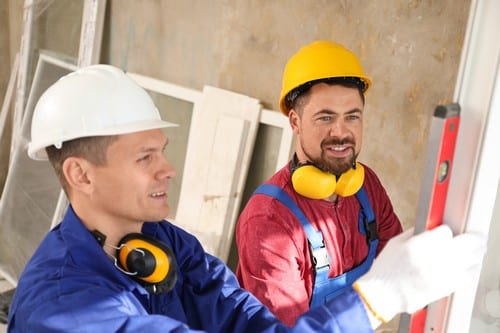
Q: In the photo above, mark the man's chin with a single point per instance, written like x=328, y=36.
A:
x=338, y=168
x=159, y=215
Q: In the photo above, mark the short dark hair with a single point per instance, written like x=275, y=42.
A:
x=294, y=97
x=91, y=148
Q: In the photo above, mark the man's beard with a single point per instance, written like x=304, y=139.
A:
x=336, y=166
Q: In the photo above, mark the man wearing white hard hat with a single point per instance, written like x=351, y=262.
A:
x=114, y=264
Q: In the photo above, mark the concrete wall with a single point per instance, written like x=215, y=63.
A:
x=410, y=48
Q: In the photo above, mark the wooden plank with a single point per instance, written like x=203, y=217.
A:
x=220, y=184
x=222, y=135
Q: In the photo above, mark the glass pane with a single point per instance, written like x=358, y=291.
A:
x=54, y=29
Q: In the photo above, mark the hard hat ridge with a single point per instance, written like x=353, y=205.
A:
x=97, y=100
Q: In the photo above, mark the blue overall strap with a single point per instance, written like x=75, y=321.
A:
x=316, y=242
x=367, y=225
x=325, y=290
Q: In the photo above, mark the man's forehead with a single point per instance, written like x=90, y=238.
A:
x=155, y=137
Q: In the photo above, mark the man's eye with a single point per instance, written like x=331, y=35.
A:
x=144, y=158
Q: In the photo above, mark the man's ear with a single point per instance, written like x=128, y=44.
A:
x=294, y=120
x=76, y=171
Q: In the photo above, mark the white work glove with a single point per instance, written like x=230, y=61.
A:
x=412, y=272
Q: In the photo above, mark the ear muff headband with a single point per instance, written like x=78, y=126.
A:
x=314, y=183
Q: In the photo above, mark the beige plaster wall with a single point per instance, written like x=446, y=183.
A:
x=411, y=49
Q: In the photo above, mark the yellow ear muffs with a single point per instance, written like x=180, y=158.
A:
x=350, y=181
x=311, y=182
x=148, y=260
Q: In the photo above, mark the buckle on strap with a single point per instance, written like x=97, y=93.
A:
x=371, y=231
x=320, y=257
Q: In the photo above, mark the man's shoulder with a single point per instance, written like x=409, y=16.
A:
x=371, y=177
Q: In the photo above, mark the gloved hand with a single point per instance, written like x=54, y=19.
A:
x=412, y=272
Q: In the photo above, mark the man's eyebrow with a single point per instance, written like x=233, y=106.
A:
x=153, y=148
x=325, y=111
x=355, y=110
x=333, y=112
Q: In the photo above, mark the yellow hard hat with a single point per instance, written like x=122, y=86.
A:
x=320, y=60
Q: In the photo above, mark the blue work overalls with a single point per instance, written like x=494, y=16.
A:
x=327, y=288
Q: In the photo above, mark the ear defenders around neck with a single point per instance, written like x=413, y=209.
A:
x=148, y=261
x=314, y=183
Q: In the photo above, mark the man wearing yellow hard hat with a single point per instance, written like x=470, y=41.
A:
x=317, y=224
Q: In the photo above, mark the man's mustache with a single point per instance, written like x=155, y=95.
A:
x=335, y=141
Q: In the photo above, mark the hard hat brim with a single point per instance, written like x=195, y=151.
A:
x=37, y=152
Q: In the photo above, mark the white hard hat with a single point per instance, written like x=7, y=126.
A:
x=97, y=100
